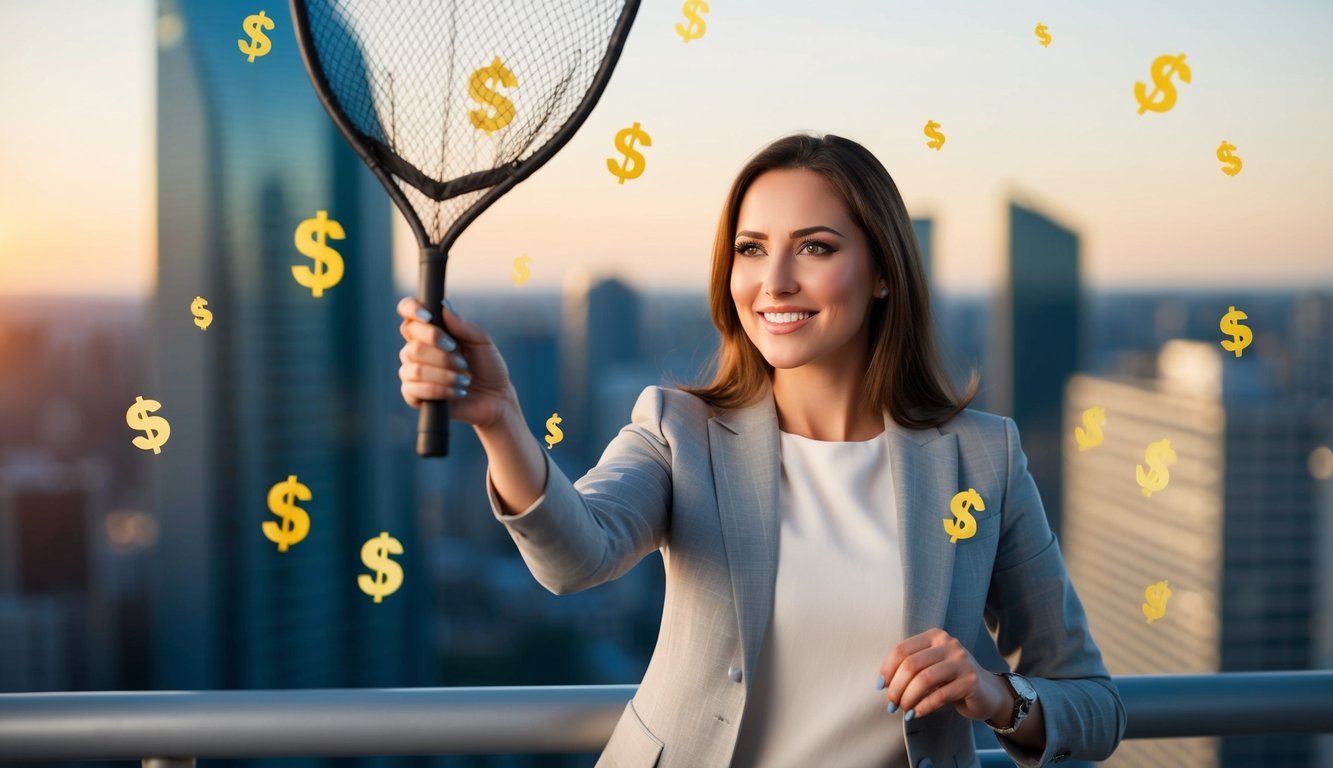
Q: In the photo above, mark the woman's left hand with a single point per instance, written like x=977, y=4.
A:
x=927, y=671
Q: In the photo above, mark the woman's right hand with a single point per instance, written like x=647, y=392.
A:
x=462, y=366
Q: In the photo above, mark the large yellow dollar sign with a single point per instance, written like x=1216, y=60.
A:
x=1158, y=455
x=388, y=574
x=1094, y=419
x=1156, y=595
x=478, y=90
x=1162, y=68
x=632, y=168
x=157, y=427
x=202, y=317
x=937, y=138
x=1043, y=35
x=310, y=238
x=254, y=26
x=554, y=435
x=966, y=526
x=696, y=29
x=295, y=525
x=521, y=271
x=1224, y=154
x=1240, y=334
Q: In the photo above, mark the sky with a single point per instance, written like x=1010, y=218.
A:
x=1055, y=127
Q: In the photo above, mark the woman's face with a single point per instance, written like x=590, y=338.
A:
x=796, y=247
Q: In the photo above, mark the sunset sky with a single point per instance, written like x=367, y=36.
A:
x=1056, y=127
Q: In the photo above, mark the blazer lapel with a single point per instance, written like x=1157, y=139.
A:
x=746, y=464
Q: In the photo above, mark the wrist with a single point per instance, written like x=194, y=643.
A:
x=1003, y=713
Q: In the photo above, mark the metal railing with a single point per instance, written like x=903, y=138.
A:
x=170, y=729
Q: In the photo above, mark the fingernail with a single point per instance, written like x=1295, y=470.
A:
x=911, y=713
x=423, y=315
x=892, y=707
x=879, y=684
x=447, y=344
x=464, y=380
x=450, y=305
x=461, y=392
x=459, y=360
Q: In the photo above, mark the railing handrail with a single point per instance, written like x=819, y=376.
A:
x=109, y=725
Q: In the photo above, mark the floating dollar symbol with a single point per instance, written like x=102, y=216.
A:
x=966, y=527
x=1158, y=455
x=696, y=28
x=1224, y=154
x=521, y=271
x=1094, y=419
x=937, y=138
x=1156, y=595
x=632, y=168
x=478, y=90
x=1043, y=34
x=1162, y=68
x=1241, y=335
x=554, y=434
x=310, y=237
x=157, y=427
x=254, y=26
x=295, y=525
x=202, y=317
x=388, y=574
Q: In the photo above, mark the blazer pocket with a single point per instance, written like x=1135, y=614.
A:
x=631, y=744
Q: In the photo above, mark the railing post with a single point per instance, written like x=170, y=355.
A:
x=168, y=762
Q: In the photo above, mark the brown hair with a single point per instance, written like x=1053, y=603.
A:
x=904, y=374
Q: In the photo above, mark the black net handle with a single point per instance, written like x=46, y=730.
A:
x=433, y=423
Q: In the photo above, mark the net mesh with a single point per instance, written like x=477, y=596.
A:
x=453, y=89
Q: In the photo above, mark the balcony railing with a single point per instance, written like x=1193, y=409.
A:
x=170, y=729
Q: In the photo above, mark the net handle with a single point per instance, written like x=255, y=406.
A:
x=433, y=424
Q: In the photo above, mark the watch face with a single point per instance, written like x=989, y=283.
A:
x=1022, y=687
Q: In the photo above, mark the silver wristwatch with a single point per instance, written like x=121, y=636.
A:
x=1024, y=697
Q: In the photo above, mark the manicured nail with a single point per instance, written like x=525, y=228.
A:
x=460, y=392
x=459, y=360
x=463, y=380
x=423, y=315
x=892, y=707
x=450, y=305
x=879, y=684
x=911, y=713
x=448, y=344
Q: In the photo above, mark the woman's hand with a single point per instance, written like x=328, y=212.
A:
x=927, y=671
x=462, y=366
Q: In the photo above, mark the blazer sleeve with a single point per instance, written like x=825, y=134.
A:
x=582, y=534
x=1039, y=626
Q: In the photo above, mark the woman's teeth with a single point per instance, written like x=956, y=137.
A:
x=786, y=317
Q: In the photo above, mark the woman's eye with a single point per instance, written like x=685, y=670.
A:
x=744, y=248
x=825, y=246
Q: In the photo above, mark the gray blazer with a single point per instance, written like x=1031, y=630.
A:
x=701, y=485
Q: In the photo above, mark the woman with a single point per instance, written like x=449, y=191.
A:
x=827, y=513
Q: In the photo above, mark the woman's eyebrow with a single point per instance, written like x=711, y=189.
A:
x=796, y=234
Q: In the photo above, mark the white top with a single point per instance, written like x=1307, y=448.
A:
x=837, y=611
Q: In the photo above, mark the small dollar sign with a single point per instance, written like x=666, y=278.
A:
x=1043, y=34
x=202, y=317
x=521, y=271
x=937, y=138
x=254, y=26
x=388, y=574
x=157, y=427
x=477, y=88
x=1156, y=595
x=1162, y=68
x=295, y=524
x=1094, y=419
x=1241, y=335
x=695, y=30
x=1158, y=455
x=634, y=163
x=1224, y=154
x=555, y=435
x=966, y=527
x=310, y=237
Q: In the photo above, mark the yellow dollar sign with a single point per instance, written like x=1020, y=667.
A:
x=696, y=29
x=202, y=317
x=1162, y=68
x=1043, y=35
x=478, y=90
x=632, y=168
x=157, y=427
x=1241, y=335
x=310, y=238
x=1094, y=419
x=1158, y=455
x=254, y=26
x=937, y=138
x=521, y=271
x=388, y=574
x=1224, y=154
x=966, y=526
x=1156, y=595
x=555, y=435
x=295, y=524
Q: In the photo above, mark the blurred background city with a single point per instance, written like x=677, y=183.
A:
x=1080, y=255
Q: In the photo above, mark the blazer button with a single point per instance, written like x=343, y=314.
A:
x=735, y=674
x=925, y=762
